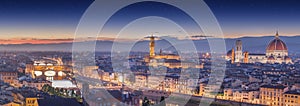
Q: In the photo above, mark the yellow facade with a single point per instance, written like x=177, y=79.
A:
x=9, y=76
x=167, y=56
x=271, y=96
x=291, y=99
x=12, y=104
x=202, y=89
x=31, y=102
x=29, y=68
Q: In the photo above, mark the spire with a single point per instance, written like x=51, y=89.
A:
x=277, y=35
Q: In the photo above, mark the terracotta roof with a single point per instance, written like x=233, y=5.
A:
x=276, y=44
x=273, y=86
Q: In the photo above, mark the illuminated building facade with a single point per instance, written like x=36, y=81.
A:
x=9, y=76
x=32, y=102
x=167, y=60
x=12, y=104
x=276, y=52
x=292, y=98
x=272, y=95
x=48, y=71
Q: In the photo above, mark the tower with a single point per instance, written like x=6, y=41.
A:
x=277, y=35
x=246, y=57
x=239, y=51
x=152, y=46
x=232, y=56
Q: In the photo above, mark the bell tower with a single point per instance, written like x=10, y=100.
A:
x=152, y=46
x=239, y=51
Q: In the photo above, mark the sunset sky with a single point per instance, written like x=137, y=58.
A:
x=55, y=21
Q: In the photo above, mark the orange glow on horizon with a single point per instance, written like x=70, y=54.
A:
x=70, y=40
x=55, y=41
x=35, y=41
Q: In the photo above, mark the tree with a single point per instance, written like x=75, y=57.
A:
x=66, y=93
x=73, y=93
x=56, y=91
x=146, y=102
x=51, y=90
x=45, y=88
x=61, y=91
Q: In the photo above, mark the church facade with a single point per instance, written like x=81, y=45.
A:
x=276, y=52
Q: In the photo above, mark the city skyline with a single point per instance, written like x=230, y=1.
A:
x=149, y=52
x=37, y=22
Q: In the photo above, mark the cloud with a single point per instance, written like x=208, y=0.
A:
x=33, y=41
x=56, y=41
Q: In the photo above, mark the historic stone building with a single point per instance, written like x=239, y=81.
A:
x=276, y=52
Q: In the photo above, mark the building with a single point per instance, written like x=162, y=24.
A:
x=48, y=71
x=231, y=56
x=52, y=101
x=276, y=52
x=239, y=51
x=292, y=98
x=67, y=84
x=256, y=57
x=31, y=101
x=9, y=76
x=238, y=95
x=58, y=101
x=36, y=83
x=246, y=96
x=152, y=46
x=272, y=95
x=90, y=71
x=167, y=59
x=29, y=68
x=202, y=88
x=11, y=104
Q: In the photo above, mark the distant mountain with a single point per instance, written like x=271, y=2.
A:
x=251, y=44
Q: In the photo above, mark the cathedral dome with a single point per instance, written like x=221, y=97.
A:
x=276, y=45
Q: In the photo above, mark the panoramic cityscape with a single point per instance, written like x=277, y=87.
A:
x=144, y=53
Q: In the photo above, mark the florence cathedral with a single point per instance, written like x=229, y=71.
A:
x=276, y=52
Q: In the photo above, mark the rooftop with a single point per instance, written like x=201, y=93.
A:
x=296, y=92
x=273, y=86
x=58, y=101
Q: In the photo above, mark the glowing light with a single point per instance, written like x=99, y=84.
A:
x=38, y=73
x=61, y=73
x=50, y=73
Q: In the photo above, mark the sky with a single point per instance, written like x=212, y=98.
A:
x=55, y=21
